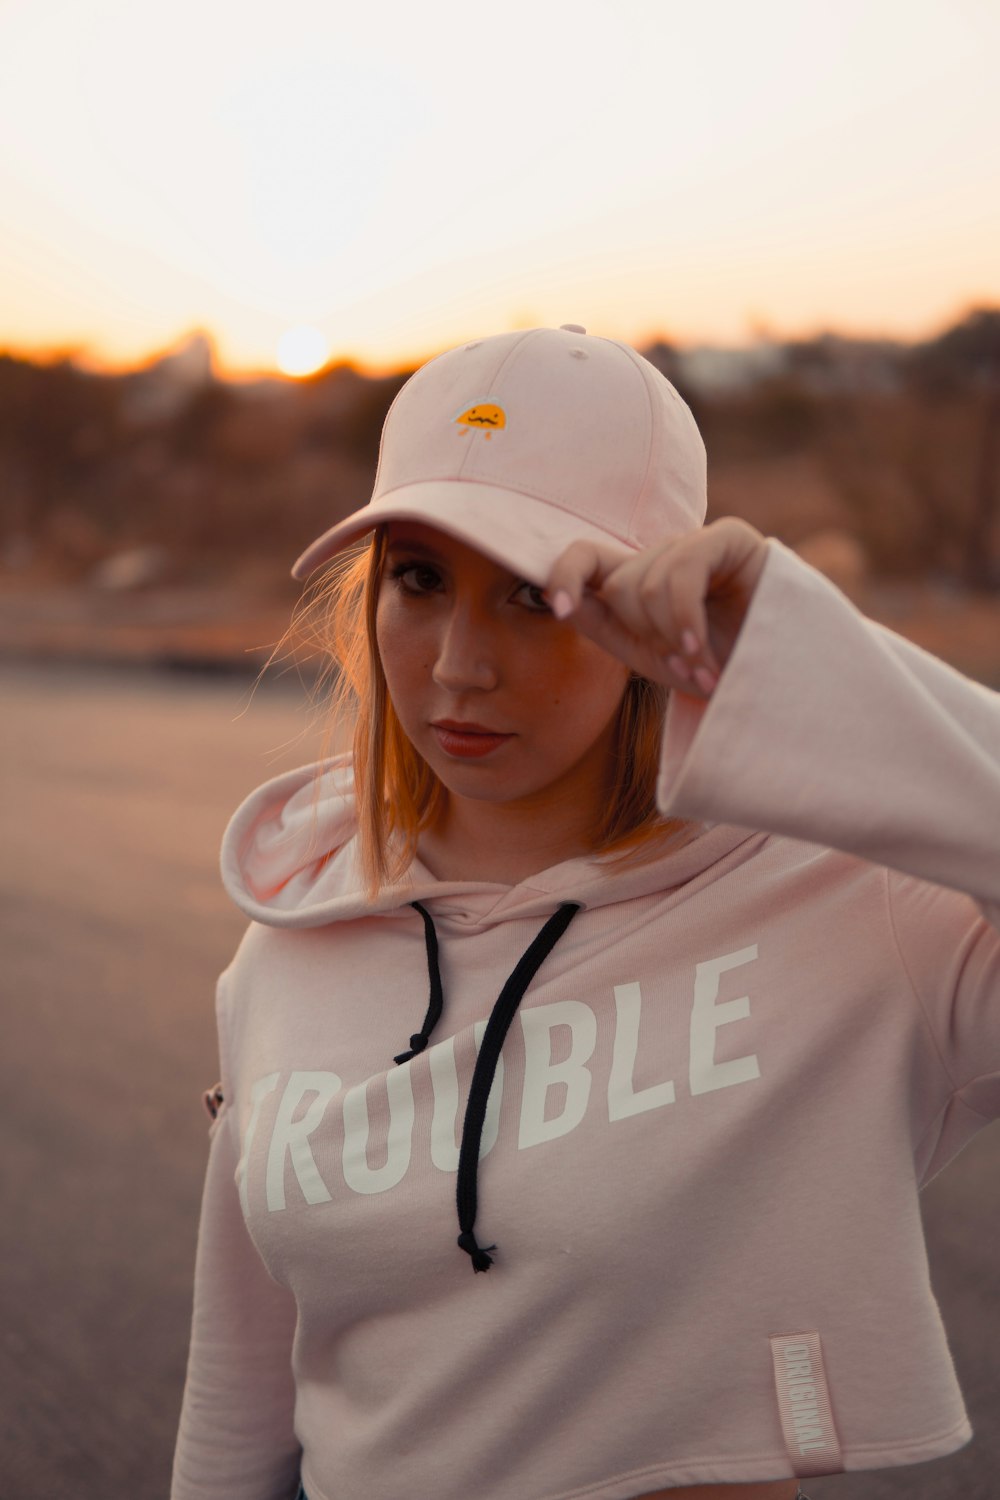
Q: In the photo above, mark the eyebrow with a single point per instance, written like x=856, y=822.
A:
x=405, y=543
x=424, y=549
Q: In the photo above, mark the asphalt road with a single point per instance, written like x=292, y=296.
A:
x=115, y=787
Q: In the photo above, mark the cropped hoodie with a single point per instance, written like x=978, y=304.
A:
x=608, y=1181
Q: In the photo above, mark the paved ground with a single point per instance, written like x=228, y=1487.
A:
x=115, y=786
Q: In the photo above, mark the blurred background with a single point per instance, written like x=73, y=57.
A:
x=228, y=234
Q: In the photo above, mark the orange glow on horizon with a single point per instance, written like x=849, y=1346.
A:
x=802, y=177
x=94, y=359
x=778, y=182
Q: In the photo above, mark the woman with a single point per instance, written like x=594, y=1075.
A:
x=714, y=988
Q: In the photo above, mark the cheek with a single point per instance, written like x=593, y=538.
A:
x=398, y=644
x=580, y=670
x=581, y=687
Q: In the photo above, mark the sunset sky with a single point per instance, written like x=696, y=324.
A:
x=402, y=176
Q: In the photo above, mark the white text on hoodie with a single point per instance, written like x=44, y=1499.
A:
x=290, y=1136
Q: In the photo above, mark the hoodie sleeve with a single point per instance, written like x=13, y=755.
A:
x=236, y=1434
x=829, y=727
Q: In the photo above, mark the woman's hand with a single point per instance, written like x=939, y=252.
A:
x=648, y=608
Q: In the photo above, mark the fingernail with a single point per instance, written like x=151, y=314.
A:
x=679, y=667
x=705, y=680
x=562, y=604
x=690, y=642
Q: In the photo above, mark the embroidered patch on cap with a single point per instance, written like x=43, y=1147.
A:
x=804, y=1405
x=486, y=416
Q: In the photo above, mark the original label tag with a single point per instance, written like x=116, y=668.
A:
x=804, y=1405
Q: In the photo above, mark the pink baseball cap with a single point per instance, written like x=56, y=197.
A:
x=522, y=443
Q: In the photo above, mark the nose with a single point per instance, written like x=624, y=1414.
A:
x=467, y=652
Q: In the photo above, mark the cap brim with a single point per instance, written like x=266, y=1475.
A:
x=517, y=531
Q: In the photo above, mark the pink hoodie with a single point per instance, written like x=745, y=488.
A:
x=727, y=1080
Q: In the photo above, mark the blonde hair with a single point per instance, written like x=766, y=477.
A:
x=397, y=795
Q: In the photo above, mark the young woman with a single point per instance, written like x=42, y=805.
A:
x=643, y=952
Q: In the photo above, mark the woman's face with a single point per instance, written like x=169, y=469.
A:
x=462, y=638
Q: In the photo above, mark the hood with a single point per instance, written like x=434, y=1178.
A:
x=289, y=859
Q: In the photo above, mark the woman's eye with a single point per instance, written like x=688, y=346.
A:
x=539, y=602
x=425, y=579
x=401, y=569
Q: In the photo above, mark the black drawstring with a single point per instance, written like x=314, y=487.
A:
x=482, y=1078
x=419, y=1039
x=486, y=1063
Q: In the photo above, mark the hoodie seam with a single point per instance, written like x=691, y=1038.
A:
x=956, y=1088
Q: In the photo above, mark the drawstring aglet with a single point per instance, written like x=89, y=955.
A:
x=480, y=1260
x=417, y=1043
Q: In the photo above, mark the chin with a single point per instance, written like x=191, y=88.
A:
x=478, y=783
x=476, y=780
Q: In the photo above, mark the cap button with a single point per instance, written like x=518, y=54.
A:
x=571, y=328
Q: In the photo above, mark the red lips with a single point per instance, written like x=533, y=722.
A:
x=464, y=727
x=465, y=742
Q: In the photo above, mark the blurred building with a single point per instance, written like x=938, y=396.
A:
x=159, y=390
x=710, y=370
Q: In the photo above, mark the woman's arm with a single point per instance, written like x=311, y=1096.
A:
x=829, y=727
x=235, y=1436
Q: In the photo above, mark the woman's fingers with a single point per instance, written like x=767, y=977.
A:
x=598, y=622
x=668, y=607
x=650, y=597
x=583, y=565
x=671, y=586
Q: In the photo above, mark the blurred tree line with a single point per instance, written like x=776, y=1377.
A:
x=219, y=479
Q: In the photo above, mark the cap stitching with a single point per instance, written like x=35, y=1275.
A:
x=493, y=384
x=392, y=407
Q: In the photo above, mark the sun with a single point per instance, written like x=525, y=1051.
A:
x=302, y=350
